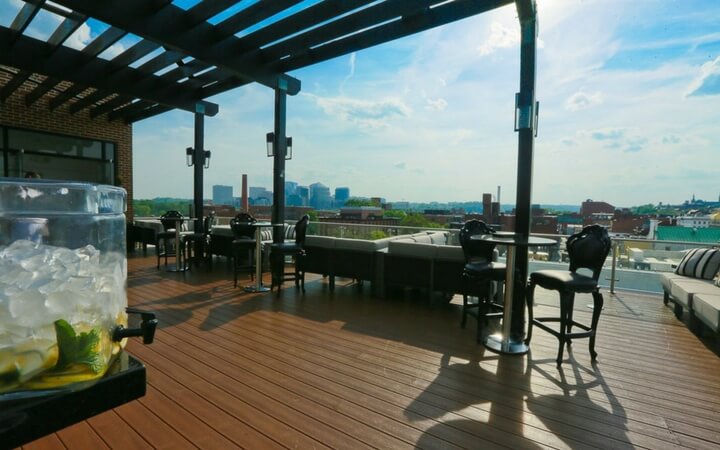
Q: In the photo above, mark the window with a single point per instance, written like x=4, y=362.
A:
x=56, y=156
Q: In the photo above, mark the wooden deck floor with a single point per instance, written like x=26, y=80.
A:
x=345, y=370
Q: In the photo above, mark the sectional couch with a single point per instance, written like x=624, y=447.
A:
x=694, y=287
x=424, y=260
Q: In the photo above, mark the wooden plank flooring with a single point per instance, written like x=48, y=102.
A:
x=230, y=369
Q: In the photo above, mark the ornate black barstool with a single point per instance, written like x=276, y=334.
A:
x=479, y=273
x=243, y=239
x=587, y=249
x=278, y=252
x=197, y=245
x=170, y=220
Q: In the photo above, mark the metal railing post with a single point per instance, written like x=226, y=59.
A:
x=612, y=271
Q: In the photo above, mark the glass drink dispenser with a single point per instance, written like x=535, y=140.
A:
x=63, y=273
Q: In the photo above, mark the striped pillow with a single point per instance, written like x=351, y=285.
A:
x=700, y=263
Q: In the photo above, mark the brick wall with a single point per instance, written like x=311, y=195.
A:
x=14, y=113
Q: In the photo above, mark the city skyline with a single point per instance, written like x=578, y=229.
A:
x=628, y=96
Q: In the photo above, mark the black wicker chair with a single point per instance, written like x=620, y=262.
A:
x=243, y=241
x=479, y=273
x=278, y=252
x=587, y=249
x=169, y=221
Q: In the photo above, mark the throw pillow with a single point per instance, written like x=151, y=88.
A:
x=700, y=263
x=716, y=280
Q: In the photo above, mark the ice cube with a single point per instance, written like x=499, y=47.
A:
x=28, y=308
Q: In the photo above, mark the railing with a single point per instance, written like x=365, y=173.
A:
x=634, y=264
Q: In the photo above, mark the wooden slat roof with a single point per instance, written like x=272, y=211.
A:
x=206, y=49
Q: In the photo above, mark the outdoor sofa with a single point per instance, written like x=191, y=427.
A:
x=694, y=287
x=423, y=260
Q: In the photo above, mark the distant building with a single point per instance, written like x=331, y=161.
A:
x=320, y=196
x=260, y=196
x=341, y=196
x=693, y=221
x=222, y=195
x=589, y=207
x=304, y=193
x=290, y=188
x=670, y=233
x=361, y=213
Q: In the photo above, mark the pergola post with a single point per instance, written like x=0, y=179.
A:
x=280, y=149
x=525, y=125
x=198, y=158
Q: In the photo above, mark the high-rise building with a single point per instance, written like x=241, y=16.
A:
x=260, y=196
x=304, y=193
x=222, y=195
x=320, y=196
x=290, y=188
x=341, y=196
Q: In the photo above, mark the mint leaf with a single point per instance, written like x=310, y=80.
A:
x=77, y=349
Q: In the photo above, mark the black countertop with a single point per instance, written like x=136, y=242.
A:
x=23, y=420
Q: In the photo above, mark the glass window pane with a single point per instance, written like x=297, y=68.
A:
x=49, y=143
x=61, y=168
x=110, y=151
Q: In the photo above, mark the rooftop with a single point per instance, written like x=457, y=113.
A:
x=345, y=370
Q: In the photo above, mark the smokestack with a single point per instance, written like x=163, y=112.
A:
x=244, y=198
x=498, y=196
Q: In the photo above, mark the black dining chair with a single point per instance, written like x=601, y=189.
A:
x=479, y=273
x=278, y=252
x=163, y=239
x=587, y=249
x=196, y=246
x=243, y=240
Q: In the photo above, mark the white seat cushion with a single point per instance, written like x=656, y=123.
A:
x=683, y=290
x=667, y=279
x=707, y=308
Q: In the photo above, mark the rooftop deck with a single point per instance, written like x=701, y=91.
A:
x=345, y=370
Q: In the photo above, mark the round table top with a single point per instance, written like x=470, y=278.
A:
x=505, y=238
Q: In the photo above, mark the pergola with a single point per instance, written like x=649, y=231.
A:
x=219, y=45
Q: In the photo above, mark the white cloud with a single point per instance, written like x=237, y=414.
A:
x=366, y=113
x=708, y=82
x=583, y=100
x=436, y=104
x=500, y=37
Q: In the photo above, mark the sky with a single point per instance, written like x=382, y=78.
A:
x=629, y=96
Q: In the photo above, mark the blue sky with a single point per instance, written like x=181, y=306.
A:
x=628, y=90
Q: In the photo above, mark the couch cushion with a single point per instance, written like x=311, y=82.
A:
x=700, y=263
x=362, y=245
x=683, y=290
x=707, y=308
x=667, y=278
x=423, y=239
x=320, y=241
x=439, y=238
x=450, y=253
x=403, y=248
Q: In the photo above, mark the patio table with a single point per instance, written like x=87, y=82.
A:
x=510, y=341
x=258, y=257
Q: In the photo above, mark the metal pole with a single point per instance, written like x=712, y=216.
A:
x=612, y=270
x=198, y=164
x=280, y=146
x=525, y=125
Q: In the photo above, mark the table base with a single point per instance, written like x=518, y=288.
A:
x=496, y=343
x=176, y=268
x=257, y=289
